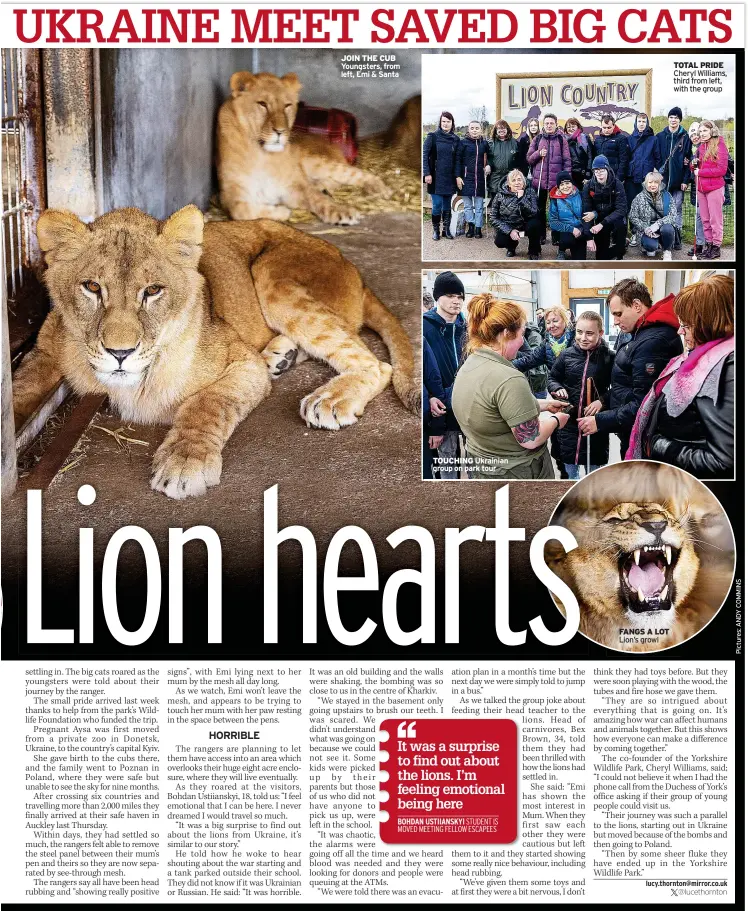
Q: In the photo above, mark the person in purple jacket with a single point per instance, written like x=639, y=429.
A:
x=547, y=156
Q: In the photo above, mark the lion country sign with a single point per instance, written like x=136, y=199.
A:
x=586, y=96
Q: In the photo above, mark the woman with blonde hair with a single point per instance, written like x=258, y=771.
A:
x=505, y=426
x=709, y=167
x=652, y=217
x=688, y=417
x=514, y=214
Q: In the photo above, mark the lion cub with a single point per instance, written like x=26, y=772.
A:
x=168, y=318
x=264, y=172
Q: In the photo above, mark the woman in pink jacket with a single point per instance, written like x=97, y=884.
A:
x=709, y=168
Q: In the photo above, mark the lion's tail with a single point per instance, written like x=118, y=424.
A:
x=388, y=326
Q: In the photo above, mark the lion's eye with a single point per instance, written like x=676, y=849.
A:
x=92, y=287
x=263, y=104
x=616, y=520
x=152, y=290
x=289, y=106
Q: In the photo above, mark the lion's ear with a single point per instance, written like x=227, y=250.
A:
x=240, y=82
x=291, y=81
x=61, y=234
x=184, y=232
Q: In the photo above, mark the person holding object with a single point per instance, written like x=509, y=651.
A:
x=439, y=162
x=471, y=170
x=652, y=216
x=709, y=169
x=505, y=426
x=645, y=158
x=502, y=152
x=548, y=154
x=605, y=210
x=444, y=330
x=523, y=146
x=688, y=417
x=588, y=359
x=579, y=150
x=565, y=218
x=673, y=148
x=513, y=213
x=654, y=342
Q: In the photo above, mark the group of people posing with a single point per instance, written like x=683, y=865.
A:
x=497, y=387
x=596, y=193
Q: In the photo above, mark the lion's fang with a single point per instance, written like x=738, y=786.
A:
x=663, y=594
x=641, y=594
x=637, y=554
x=668, y=554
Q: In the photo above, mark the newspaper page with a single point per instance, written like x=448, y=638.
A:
x=373, y=510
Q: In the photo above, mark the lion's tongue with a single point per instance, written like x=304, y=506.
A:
x=649, y=578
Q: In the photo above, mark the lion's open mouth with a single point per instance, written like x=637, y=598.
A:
x=647, y=578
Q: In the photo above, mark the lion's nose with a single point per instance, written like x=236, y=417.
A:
x=656, y=528
x=120, y=353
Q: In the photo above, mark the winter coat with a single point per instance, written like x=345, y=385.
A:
x=648, y=209
x=439, y=160
x=502, y=154
x=579, y=150
x=700, y=439
x=558, y=159
x=565, y=212
x=570, y=371
x=470, y=164
x=728, y=178
x=523, y=147
x=432, y=382
x=608, y=200
x=711, y=171
x=654, y=343
x=537, y=377
x=645, y=154
x=673, y=150
x=446, y=341
x=615, y=148
x=508, y=213
x=543, y=354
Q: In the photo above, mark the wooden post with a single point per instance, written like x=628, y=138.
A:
x=8, y=469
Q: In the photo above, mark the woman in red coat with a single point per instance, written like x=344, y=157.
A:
x=709, y=168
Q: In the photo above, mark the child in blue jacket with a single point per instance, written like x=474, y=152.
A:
x=565, y=217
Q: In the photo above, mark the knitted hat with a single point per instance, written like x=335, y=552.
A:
x=562, y=176
x=675, y=112
x=448, y=283
x=600, y=162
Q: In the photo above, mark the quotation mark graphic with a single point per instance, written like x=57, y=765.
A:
x=405, y=729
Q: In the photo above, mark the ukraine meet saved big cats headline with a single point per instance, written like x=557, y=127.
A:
x=501, y=534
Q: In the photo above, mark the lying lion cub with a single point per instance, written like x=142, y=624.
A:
x=263, y=172
x=168, y=319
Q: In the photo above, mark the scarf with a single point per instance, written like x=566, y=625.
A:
x=687, y=376
x=557, y=346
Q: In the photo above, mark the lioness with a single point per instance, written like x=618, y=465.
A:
x=169, y=319
x=638, y=572
x=263, y=172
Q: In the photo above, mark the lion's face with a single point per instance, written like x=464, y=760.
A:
x=124, y=285
x=641, y=555
x=266, y=106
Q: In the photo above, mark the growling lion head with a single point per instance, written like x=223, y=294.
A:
x=642, y=530
x=266, y=106
x=124, y=286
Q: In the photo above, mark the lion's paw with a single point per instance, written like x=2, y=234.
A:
x=330, y=410
x=344, y=215
x=377, y=187
x=183, y=468
x=280, y=355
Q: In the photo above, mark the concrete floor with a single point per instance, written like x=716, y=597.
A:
x=366, y=475
x=462, y=249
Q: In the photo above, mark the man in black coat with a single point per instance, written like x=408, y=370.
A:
x=613, y=143
x=654, y=342
x=605, y=208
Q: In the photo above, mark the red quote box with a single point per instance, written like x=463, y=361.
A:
x=450, y=780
